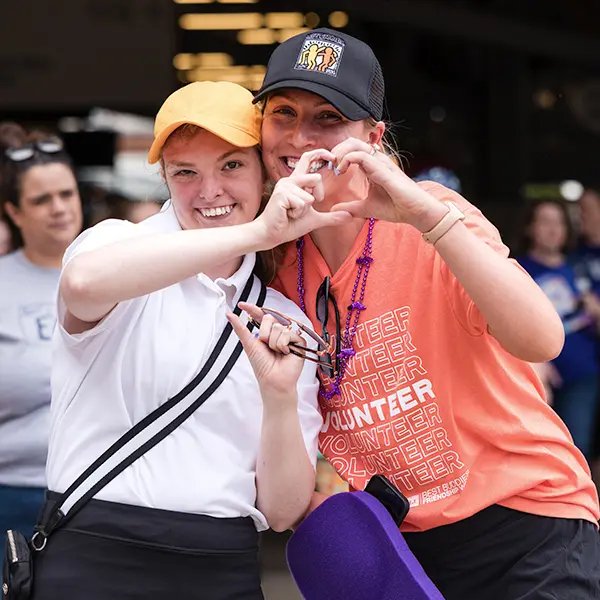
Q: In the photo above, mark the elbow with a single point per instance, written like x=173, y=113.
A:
x=550, y=340
x=281, y=521
x=280, y=525
x=542, y=346
x=75, y=285
x=281, y=517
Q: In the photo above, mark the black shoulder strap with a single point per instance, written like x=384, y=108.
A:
x=53, y=512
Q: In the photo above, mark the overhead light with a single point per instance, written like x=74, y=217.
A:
x=250, y=77
x=338, y=19
x=571, y=190
x=219, y=1
x=437, y=114
x=311, y=20
x=214, y=59
x=256, y=36
x=220, y=21
x=282, y=20
x=286, y=34
x=184, y=61
x=544, y=98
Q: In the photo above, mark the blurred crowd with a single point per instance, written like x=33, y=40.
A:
x=41, y=213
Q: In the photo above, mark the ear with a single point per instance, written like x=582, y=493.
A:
x=14, y=213
x=376, y=134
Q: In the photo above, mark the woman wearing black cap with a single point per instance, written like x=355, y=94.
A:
x=435, y=330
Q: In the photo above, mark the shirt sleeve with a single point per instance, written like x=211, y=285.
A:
x=105, y=233
x=463, y=306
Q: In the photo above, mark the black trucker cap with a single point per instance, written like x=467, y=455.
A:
x=332, y=64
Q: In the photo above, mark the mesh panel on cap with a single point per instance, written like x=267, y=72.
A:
x=376, y=91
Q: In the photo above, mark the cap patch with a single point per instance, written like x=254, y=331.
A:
x=321, y=53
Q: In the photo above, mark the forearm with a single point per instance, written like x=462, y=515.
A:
x=95, y=281
x=284, y=474
x=518, y=313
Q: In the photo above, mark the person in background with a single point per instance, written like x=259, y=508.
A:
x=5, y=237
x=41, y=202
x=134, y=211
x=587, y=252
x=586, y=260
x=573, y=375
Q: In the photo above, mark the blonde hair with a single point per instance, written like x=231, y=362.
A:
x=389, y=145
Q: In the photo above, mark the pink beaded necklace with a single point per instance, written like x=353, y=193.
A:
x=355, y=307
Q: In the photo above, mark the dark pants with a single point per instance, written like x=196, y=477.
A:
x=19, y=508
x=120, y=552
x=502, y=554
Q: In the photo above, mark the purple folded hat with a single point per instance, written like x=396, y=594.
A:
x=349, y=548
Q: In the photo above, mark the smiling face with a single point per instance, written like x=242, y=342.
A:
x=212, y=183
x=296, y=121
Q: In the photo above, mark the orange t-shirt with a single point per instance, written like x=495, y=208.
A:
x=430, y=399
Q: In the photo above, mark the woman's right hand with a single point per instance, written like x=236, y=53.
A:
x=290, y=213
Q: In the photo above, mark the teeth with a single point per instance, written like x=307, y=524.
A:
x=316, y=166
x=216, y=212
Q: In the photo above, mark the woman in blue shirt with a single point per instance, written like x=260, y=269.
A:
x=574, y=373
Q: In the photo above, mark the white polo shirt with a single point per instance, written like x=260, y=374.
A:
x=145, y=351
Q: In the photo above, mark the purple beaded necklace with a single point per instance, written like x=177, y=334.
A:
x=354, y=309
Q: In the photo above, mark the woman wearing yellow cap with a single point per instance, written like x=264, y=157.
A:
x=141, y=309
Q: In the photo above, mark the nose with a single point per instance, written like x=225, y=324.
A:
x=303, y=137
x=210, y=188
x=59, y=204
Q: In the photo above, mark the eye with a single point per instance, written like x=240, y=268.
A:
x=183, y=173
x=285, y=111
x=329, y=116
x=232, y=165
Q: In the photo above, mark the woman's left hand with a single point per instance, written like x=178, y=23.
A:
x=276, y=369
x=393, y=196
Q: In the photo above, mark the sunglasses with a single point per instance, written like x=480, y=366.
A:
x=324, y=298
x=51, y=145
x=321, y=355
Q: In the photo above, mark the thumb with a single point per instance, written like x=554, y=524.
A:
x=331, y=219
x=356, y=208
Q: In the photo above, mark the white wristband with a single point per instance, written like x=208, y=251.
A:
x=447, y=222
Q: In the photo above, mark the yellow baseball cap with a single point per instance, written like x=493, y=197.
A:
x=221, y=107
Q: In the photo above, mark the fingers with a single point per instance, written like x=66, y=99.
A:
x=368, y=162
x=298, y=207
x=254, y=311
x=338, y=216
x=312, y=183
x=241, y=330
x=358, y=148
x=351, y=145
x=356, y=208
x=303, y=165
x=298, y=185
x=280, y=338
